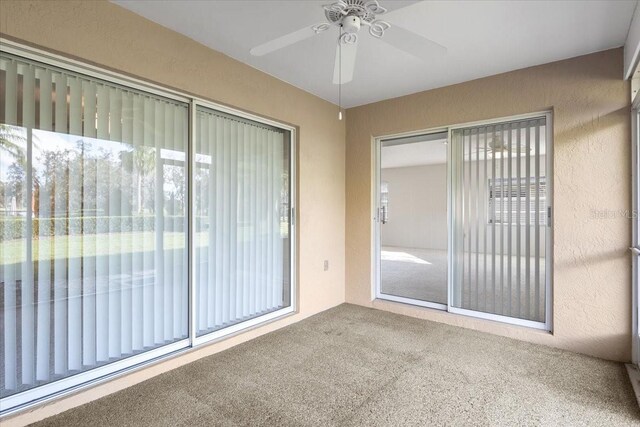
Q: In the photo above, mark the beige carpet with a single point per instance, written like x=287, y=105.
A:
x=414, y=273
x=353, y=366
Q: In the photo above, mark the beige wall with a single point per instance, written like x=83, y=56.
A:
x=591, y=110
x=110, y=36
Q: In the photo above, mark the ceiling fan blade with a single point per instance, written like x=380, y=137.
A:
x=412, y=43
x=288, y=39
x=348, y=61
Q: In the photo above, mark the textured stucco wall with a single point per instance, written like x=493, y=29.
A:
x=592, y=171
x=110, y=36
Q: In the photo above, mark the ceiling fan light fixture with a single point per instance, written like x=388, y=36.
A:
x=351, y=24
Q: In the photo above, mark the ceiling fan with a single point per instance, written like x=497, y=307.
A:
x=498, y=145
x=349, y=16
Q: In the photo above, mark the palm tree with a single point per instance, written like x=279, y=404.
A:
x=141, y=159
x=12, y=139
x=144, y=159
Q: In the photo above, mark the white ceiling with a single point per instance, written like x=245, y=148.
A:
x=483, y=38
x=414, y=154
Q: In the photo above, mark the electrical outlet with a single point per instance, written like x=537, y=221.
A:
x=326, y=264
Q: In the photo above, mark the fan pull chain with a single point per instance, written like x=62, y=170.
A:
x=340, y=74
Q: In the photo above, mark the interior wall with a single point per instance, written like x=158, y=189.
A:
x=417, y=207
x=590, y=104
x=110, y=36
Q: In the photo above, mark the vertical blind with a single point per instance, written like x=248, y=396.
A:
x=242, y=230
x=499, y=219
x=92, y=223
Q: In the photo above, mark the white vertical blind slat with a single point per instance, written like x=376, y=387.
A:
x=202, y=252
x=102, y=230
x=269, y=220
x=126, y=239
x=148, y=282
x=44, y=242
x=239, y=207
x=27, y=285
x=184, y=289
x=219, y=224
x=253, y=195
x=226, y=223
x=246, y=230
x=88, y=226
x=168, y=249
x=137, y=267
x=9, y=268
x=75, y=231
x=61, y=254
x=115, y=218
x=177, y=252
x=233, y=218
x=158, y=208
x=209, y=148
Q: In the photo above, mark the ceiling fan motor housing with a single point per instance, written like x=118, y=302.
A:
x=351, y=24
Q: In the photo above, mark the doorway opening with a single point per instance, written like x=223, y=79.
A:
x=412, y=222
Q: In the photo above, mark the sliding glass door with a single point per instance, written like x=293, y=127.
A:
x=93, y=223
x=134, y=222
x=242, y=222
x=500, y=221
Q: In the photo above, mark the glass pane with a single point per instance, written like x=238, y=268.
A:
x=499, y=191
x=242, y=222
x=413, y=227
x=92, y=223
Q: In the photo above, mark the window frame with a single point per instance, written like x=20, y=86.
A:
x=38, y=395
x=635, y=231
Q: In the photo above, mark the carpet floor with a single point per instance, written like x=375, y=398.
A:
x=353, y=366
x=421, y=274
